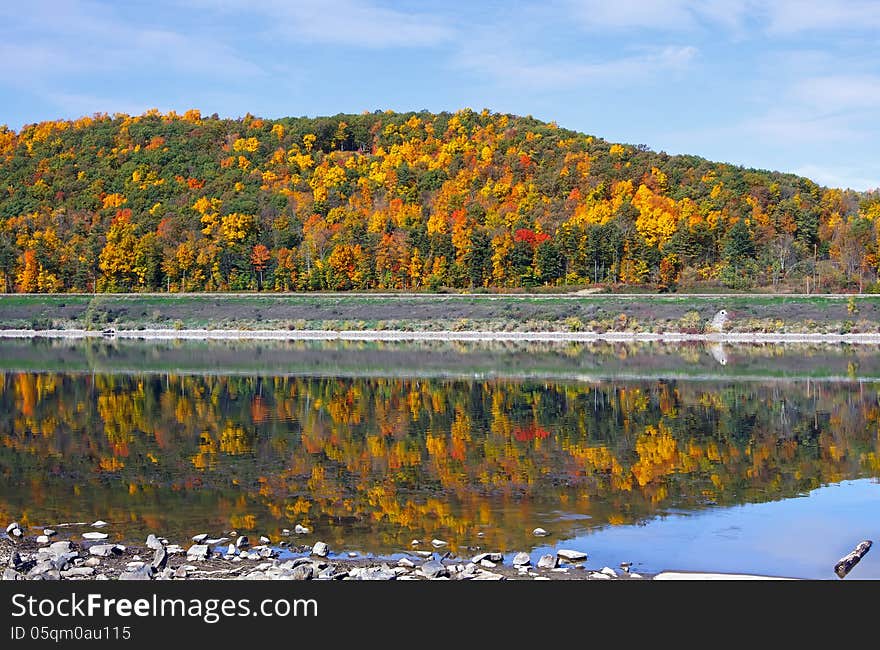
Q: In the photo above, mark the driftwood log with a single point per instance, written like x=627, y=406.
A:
x=845, y=564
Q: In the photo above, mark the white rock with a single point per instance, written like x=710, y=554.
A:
x=521, y=559
x=596, y=575
x=91, y=535
x=48, y=532
x=12, y=527
x=540, y=578
x=301, y=530
x=264, y=539
x=352, y=554
x=99, y=524
x=489, y=564
x=635, y=575
x=213, y=541
x=285, y=531
x=570, y=555
x=539, y=532
x=409, y=564
x=201, y=537
x=415, y=542
x=438, y=543
x=231, y=550
x=320, y=549
x=43, y=539
x=548, y=562
x=92, y=562
x=609, y=572
x=425, y=553
x=134, y=565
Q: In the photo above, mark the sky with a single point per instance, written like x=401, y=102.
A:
x=788, y=85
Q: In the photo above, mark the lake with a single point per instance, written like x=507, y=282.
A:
x=747, y=458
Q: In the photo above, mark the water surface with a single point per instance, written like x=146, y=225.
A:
x=692, y=457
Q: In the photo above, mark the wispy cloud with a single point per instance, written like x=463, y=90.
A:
x=508, y=65
x=351, y=23
x=780, y=17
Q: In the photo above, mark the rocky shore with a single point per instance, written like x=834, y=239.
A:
x=82, y=552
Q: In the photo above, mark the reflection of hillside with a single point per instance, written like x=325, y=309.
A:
x=387, y=459
x=544, y=359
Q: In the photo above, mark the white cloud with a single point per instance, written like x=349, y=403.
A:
x=354, y=23
x=509, y=65
x=794, y=16
x=839, y=92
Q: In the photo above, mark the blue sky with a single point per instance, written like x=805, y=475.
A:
x=792, y=85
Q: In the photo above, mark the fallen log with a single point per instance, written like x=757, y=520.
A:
x=845, y=564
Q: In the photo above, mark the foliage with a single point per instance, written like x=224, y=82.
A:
x=401, y=201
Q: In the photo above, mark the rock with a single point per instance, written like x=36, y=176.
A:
x=488, y=564
x=481, y=534
x=59, y=548
x=267, y=552
x=144, y=573
x=415, y=542
x=48, y=532
x=99, y=524
x=303, y=572
x=174, y=549
x=12, y=574
x=285, y=531
x=521, y=559
x=608, y=571
x=14, y=560
x=404, y=562
x=180, y=572
x=198, y=552
x=41, y=568
x=264, y=540
x=201, y=537
x=635, y=575
x=213, y=541
x=154, y=543
x=320, y=549
x=352, y=554
x=540, y=532
x=570, y=555
x=43, y=539
x=132, y=566
x=106, y=550
x=92, y=562
x=492, y=557
x=242, y=542
x=231, y=551
x=11, y=527
x=160, y=559
x=488, y=575
x=596, y=575
x=626, y=566
x=300, y=530
x=438, y=543
x=78, y=572
x=95, y=535
x=548, y=562
x=434, y=569
x=425, y=553
x=64, y=559
x=383, y=572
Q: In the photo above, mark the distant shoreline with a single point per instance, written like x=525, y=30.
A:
x=401, y=335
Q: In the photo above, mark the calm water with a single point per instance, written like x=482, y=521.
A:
x=749, y=459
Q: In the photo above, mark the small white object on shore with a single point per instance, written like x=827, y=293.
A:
x=300, y=530
x=540, y=532
x=91, y=535
x=571, y=555
x=438, y=543
x=99, y=524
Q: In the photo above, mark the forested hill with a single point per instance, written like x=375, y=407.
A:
x=403, y=201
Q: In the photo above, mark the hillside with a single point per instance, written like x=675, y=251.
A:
x=410, y=201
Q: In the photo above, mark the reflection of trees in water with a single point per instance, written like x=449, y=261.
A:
x=389, y=455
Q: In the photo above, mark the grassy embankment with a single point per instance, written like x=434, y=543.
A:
x=442, y=312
